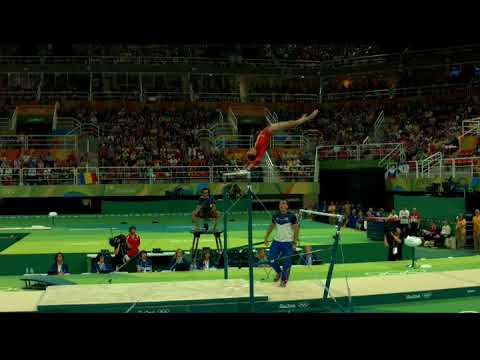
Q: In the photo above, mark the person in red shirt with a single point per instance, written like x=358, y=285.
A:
x=133, y=242
x=255, y=154
x=415, y=219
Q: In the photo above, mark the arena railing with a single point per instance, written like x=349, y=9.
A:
x=165, y=95
x=22, y=94
x=444, y=168
x=66, y=142
x=203, y=96
x=48, y=176
x=80, y=95
x=338, y=152
x=136, y=175
x=335, y=62
x=471, y=127
x=4, y=125
x=234, y=141
x=357, y=152
x=110, y=95
x=10, y=176
x=296, y=173
x=282, y=97
x=287, y=141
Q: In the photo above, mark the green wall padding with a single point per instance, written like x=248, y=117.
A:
x=17, y=264
x=432, y=207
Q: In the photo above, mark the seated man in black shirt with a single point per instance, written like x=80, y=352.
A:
x=206, y=209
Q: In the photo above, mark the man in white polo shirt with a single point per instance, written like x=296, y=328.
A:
x=285, y=241
x=404, y=216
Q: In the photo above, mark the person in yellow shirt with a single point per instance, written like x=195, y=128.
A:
x=476, y=230
x=331, y=210
x=348, y=208
x=461, y=231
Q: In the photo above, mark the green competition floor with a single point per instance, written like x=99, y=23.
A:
x=454, y=305
x=13, y=283
x=89, y=234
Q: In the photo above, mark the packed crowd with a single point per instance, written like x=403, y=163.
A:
x=154, y=138
x=38, y=168
x=423, y=129
x=318, y=52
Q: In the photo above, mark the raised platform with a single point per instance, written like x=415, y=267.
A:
x=184, y=296
x=232, y=295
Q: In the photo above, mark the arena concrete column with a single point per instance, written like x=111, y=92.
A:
x=243, y=84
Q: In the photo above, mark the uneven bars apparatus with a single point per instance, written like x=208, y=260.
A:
x=336, y=238
x=245, y=173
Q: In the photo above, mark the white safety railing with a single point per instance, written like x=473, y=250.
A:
x=377, y=127
x=270, y=168
x=233, y=119
x=66, y=142
x=271, y=117
x=48, y=176
x=10, y=176
x=165, y=95
x=431, y=165
x=287, y=141
x=471, y=127
x=234, y=141
x=4, y=125
x=296, y=173
x=380, y=151
x=139, y=175
x=13, y=142
x=74, y=95
x=443, y=168
x=338, y=152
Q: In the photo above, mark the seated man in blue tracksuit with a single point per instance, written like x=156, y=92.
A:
x=283, y=246
x=101, y=266
x=144, y=264
x=308, y=258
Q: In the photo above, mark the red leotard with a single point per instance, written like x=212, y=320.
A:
x=263, y=140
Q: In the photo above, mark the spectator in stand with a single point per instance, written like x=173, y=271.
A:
x=394, y=243
x=414, y=222
x=144, y=264
x=428, y=236
x=206, y=262
x=361, y=221
x=348, y=208
x=133, y=242
x=353, y=219
x=100, y=266
x=262, y=259
x=179, y=262
x=404, y=221
x=445, y=233
x=331, y=210
x=476, y=230
x=461, y=226
x=59, y=267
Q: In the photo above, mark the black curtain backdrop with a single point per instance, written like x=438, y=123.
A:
x=364, y=186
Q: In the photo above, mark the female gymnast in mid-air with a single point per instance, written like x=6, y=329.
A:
x=255, y=154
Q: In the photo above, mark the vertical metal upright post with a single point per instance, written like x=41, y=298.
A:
x=250, y=248
x=226, y=206
x=333, y=260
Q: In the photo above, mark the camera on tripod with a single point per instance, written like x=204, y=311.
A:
x=118, y=240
